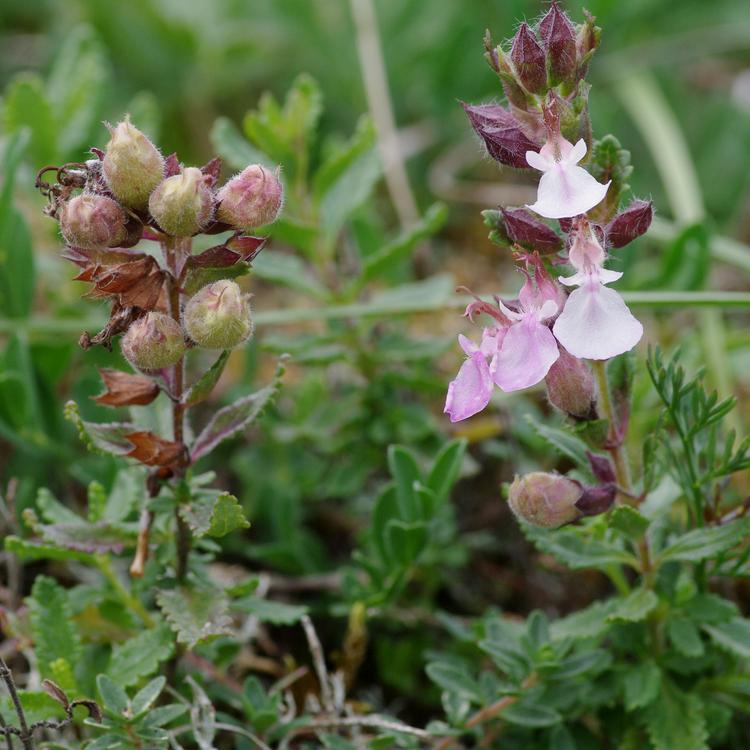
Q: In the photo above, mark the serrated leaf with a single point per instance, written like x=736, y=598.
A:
x=628, y=521
x=140, y=656
x=684, y=636
x=642, y=683
x=28, y=550
x=675, y=720
x=213, y=515
x=52, y=628
x=701, y=544
x=732, y=636
x=266, y=610
x=236, y=417
x=52, y=510
x=635, y=607
x=202, y=388
x=196, y=614
x=93, y=538
x=576, y=549
x=709, y=609
x=103, y=438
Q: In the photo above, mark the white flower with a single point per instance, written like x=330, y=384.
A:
x=565, y=189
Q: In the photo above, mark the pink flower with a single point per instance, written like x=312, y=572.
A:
x=595, y=322
x=565, y=189
x=516, y=353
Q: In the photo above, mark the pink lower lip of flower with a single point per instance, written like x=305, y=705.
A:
x=528, y=351
x=596, y=323
x=471, y=391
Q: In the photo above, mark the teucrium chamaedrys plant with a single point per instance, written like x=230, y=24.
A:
x=666, y=660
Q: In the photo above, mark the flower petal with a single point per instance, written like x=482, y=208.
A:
x=566, y=191
x=528, y=351
x=470, y=392
x=539, y=161
x=596, y=323
x=576, y=153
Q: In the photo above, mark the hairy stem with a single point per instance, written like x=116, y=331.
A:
x=175, y=251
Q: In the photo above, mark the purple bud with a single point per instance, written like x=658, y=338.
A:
x=182, y=204
x=630, y=223
x=559, y=38
x=501, y=133
x=529, y=60
x=601, y=467
x=546, y=500
x=526, y=230
x=571, y=387
x=132, y=165
x=153, y=342
x=251, y=199
x=218, y=316
x=92, y=222
x=596, y=500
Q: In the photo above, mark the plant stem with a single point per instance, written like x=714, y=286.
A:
x=25, y=736
x=175, y=251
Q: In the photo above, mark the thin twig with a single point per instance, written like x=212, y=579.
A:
x=24, y=735
x=319, y=662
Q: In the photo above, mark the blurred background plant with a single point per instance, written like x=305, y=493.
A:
x=357, y=285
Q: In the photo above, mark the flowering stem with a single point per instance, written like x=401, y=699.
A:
x=174, y=248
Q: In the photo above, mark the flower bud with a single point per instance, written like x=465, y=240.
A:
x=251, y=199
x=630, y=223
x=182, y=204
x=571, y=387
x=559, y=38
x=132, y=165
x=502, y=134
x=153, y=342
x=218, y=316
x=530, y=233
x=529, y=60
x=93, y=221
x=546, y=500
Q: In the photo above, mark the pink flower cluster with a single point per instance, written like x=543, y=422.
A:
x=527, y=336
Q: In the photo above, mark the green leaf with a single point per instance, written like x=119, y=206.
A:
x=140, y=656
x=37, y=706
x=635, y=607
x=146, y=696
x=629, y=522
x=27, y=106
x=201, y=389
x=385, y=258
x=196, y=614
x=642, y=683
x=732, y=636
x=214, y=515
x=701, y=544
x=115, y=699
x=101, y=438
x=590, y=622
x=709, y=609
x=341, y=159
x=405, y=540
x=52, y=628
x=234, y=148
x=266, y=610
x=686, y=261
x=16, y=257
x=576, y=549
x=525, y=713
x=405, y=472
x=564, y=443
x=675, y=720
x=76, y=88
x=446, y=468
x=236, y=417
x=455, y=679
x=684, y=636
x=27, y=550
x=289, y=271
x=52, y=510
